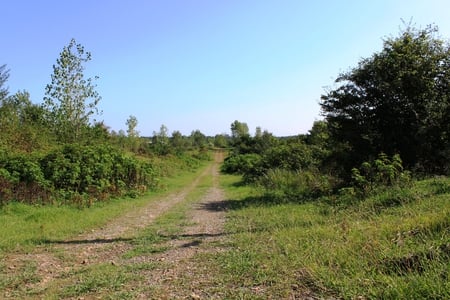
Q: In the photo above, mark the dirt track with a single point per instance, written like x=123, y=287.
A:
x=108, y=244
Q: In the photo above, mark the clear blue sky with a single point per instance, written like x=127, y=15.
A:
x=201, y=64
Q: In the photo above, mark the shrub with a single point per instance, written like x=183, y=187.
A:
x=75, y=174
x=22, y=179
x=382, y=172
x=249, y=165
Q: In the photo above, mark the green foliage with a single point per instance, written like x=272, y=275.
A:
x=160, y=141
x=239, y=130
x=221, y=141
x=198, y=139
x=382, y=172
x=293, y=155
x=104, y=278
x=22, y=124
x=78, y=174
x=248, y=165
x=99, y=171
x=22, y=179
x=396, y=101
x=131, y=126
x=71, y=99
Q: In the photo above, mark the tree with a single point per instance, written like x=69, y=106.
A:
x=22, y=123
x=397, y=101
x=160, y=140
x=198, y=139
x=132, y=124
x=221, y=140
x=70, y=98
x=258, y=132
x=177, y=141
x=239, y=129
x=264, y=141
x=4, y=75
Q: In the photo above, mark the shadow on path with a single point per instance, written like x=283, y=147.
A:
x=81, y=242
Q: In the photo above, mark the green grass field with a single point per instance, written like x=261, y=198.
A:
x=394, y=245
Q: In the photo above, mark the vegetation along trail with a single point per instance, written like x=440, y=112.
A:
x=135, y=255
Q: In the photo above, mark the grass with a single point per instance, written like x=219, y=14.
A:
x=394, y=245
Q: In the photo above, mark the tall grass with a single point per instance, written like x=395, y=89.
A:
x=393, y=245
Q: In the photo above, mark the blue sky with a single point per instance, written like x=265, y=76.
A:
x=201, y=64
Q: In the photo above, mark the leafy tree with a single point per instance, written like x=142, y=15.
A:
x=397, y=101
x=241, y=141
x=160, y=140
x=4, y=75
x=221, y=141
x=239, y=130
x=264, y=141
x=22, y=123
x=178, y=142
x=258, y=132
x=198, y=139
x=132, y=124
x=70, y=98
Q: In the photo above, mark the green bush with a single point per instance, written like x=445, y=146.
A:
x=74, y=174
x=249, y=165
x=382, y=172
x=22, y=179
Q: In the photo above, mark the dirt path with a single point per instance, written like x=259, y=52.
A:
x=108, y=244
x=184, y=278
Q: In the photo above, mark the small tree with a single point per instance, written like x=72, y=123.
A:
x=221, y=140
x=198, y=139
x=239, y=130
x=132, y=124
x=177, y=141
x=70, y=98
x=160, y=140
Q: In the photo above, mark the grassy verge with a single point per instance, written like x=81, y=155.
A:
x=394, y=245
x=24, y=226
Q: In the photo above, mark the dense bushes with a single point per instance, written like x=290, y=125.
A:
x=295, y=169
x=73, y=173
